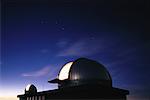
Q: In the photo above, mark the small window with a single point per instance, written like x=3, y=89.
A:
x=43, y=97
x=28, y=98
x=39, y=97
x=35, y=98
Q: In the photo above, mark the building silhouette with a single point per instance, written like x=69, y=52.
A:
x=80, y=79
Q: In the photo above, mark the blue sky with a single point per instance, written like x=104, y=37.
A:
x=39, y=37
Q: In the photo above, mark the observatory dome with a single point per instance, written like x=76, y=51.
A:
x=30, y=89
x=83, y=71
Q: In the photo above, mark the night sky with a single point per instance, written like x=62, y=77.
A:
x=39, y=36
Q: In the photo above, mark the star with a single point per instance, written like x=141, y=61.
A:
x=62, y=28
x=43, y=22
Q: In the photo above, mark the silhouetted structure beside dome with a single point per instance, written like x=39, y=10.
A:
x=81, y=79
x=30, y=89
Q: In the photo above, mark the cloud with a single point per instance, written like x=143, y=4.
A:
x=85, y=47
x=41, y=72
x=62, y=43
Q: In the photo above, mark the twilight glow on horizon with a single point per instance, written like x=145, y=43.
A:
x=39, y=36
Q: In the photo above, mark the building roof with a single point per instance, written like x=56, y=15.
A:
x=82, y=91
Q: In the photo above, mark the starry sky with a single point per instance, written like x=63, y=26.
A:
x=39, y=36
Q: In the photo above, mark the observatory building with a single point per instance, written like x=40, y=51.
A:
x=80, y=79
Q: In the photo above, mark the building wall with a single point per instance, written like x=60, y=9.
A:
x=39, y=97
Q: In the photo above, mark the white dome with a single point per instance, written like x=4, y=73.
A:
x=83, y=71
x=30, y=89
x=64, y=72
